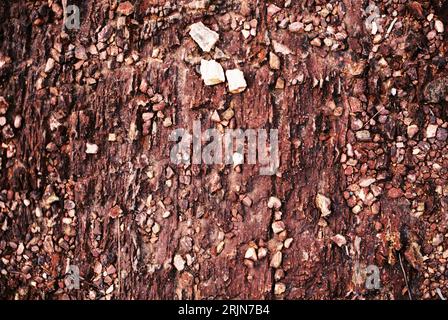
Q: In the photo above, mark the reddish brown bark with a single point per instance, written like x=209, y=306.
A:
x=115, y=199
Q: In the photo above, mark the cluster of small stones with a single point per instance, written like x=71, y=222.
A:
x=319, y=28
x=377, y=129
x=279, y=240
x=395, y=155
x=321, y=24
x=89, y=58
x=211, y=71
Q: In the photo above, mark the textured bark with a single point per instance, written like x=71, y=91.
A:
x=119, y=189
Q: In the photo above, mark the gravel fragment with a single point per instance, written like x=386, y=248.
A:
x=316, y=42
x=437, y=240
x=274, y=202
x=279, y=288
x=438, y=25
x=220, y=247
x=274, y=61
x=280, y=48
x=203, y=36
x=442, y=134
x=323, y=204
x=431, y=131
x=288, y=242
x=363, y=135
x=276, y=260
x=394, y=193
x=80, y=53
x=49, y=65
x=179, y=262
x=155, y=228
x=412, y=130
x=251, y=254
x=125, y=8
x=20, y=249
x=339, y=240
x=236, y=81
x=273, y=9
x=262, y=253
x=91, y=148
x=295, y=27
x=17, y=121
x=278, y=226
x=211, y=72
x=366, y=182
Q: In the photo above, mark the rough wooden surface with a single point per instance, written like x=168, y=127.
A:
x=115, y=199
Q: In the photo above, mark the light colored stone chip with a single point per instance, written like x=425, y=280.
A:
x=339, y=239
x=251, y=254
x=262, y=252
x=439, y=26
x=236, y=81
x=274, y=202
x=412, y=130
x=276, y=260
x=279, y=288
x=220, y=247
x=203, y=36
x=179, y=262
x=91, y=148
x=366, y=182
x=288, y=242
x=50, y=65
x=280, y=48
x=323, y=204
x=278, y=226
x=431, y=131
x=274, y=61
x=211, y=72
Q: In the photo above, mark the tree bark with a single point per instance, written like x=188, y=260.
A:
x=130, y=75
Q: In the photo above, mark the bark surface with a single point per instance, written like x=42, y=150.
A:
x=345, y=102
